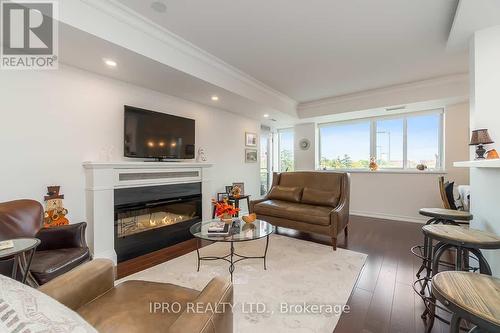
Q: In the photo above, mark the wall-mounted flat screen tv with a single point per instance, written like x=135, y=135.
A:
x=157, y=135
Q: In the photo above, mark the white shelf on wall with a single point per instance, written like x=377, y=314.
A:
x=478, y=164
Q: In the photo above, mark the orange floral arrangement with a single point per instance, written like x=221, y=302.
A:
x=223, y=208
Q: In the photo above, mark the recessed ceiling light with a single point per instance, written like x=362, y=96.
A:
x=266, y=116
x=159, y=6
x=215, y=98
x=110, y=62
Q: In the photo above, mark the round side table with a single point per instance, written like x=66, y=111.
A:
x=22, y=253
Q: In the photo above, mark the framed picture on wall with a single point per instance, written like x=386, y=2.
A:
x=250, y=155
x=250, y=139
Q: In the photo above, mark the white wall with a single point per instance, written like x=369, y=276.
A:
x=52, y=121
x=456, y=141
x=305, y=159
x=399, y=196
x=485, y=113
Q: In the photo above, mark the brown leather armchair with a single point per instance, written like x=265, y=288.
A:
x=61, y=248
x=309, y=201
x=131, y=306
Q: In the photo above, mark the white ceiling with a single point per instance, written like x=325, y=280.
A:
x=140, y=70
x=472, y=15
x=319, y=48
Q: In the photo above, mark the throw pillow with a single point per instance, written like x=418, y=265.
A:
x=292, y=194
x=318, y=197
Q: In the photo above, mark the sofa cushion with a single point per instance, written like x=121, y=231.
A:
x=320, y=180
x=126, y=308
x=313, y=214
x=48, y=264
x=313, y=196
x=292, y=194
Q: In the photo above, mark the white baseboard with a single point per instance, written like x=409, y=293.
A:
x=393, y=217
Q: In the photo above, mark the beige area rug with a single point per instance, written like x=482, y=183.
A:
x=299, y=276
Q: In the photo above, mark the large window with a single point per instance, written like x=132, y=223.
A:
x=345, y=145
x=285, y=148
x=396, y=142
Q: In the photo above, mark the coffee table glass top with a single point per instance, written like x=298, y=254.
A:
x=244, y=232
x=20, y=245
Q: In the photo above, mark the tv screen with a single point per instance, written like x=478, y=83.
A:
x=150, y=134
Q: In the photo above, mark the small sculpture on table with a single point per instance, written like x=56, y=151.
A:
x=236, y=191
x=373, y=164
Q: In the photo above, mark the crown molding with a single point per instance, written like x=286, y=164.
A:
x=126, y=15
x=443, y=80
x=411, y=92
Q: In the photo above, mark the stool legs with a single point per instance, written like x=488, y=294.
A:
x=484, y=267
x=424, y=265
x=455, y=324
x=439, y=250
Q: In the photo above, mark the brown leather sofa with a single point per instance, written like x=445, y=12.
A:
x=309, y=201
x=61, y=248
x=90, y=291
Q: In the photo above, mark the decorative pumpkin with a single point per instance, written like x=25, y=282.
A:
x=249, y=218
x=492, y=154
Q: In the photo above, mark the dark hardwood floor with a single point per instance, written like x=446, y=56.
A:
x=383, y=299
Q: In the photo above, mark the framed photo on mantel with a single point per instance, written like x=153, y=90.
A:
x=250, y=139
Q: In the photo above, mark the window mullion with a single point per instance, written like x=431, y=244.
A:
x=373, y=139
x=405, y=142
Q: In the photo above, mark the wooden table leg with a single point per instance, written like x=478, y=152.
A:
x=237, y=205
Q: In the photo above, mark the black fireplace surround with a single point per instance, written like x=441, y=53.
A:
x=150, y=218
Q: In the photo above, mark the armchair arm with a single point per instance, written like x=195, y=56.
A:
x=339, y=216
x=82, y=284
x=254, y=202
x=62, y=237
x=217, y=299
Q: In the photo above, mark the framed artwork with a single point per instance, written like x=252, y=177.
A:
x=241, y=186
x=250, y=139
x=229, y=189
x=250, y=155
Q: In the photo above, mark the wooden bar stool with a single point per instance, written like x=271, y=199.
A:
x=437, y=216
x=469, y=296
x=465, y=241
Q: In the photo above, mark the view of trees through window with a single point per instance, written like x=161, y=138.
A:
x=349, y=145
x=285, y=143
x=345, y=145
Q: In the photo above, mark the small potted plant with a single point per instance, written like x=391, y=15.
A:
x=224, y=210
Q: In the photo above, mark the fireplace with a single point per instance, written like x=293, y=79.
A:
x=154, y=217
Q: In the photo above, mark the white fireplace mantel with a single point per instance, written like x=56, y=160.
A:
x=102, y=178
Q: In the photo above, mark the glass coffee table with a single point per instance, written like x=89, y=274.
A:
x=22, y=254
x=239, y=232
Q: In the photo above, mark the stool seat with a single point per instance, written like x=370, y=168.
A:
x=461, y=236
x=446, y=214
x=475, y=297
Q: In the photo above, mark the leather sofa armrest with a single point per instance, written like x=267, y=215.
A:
x=254, y=202
x=339, y=216
x=82, y=284
x=215, y=310
x=62, y=237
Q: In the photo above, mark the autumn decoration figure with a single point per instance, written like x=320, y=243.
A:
x=373, y=164
x=224, y=210
x=236, y=191
x=55, y=213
